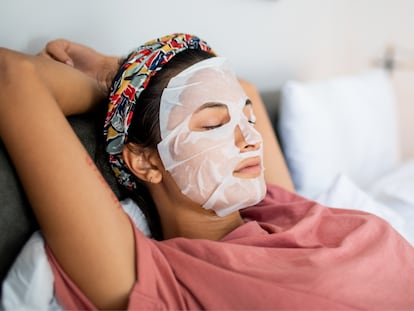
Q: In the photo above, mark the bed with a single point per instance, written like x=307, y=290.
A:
x=340, y=141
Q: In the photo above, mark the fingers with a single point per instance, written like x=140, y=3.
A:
x=58, y=50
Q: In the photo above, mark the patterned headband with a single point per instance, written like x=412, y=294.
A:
x=132, y=78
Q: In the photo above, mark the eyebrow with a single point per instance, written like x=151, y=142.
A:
x=219, y=105
x=211, y=105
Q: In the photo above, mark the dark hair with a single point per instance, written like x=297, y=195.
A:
x=145, y=126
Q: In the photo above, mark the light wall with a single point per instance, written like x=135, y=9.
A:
x=268, y=41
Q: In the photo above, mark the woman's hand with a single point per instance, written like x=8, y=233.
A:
x=96, y=65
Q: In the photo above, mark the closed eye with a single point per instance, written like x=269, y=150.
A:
x=208, y=128
x=209, y=116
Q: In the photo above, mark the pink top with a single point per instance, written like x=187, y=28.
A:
x=291, y=253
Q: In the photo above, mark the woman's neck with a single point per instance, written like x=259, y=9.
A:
x=199, y=224
x=181, y=217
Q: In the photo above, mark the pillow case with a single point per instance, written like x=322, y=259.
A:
x=396, y=189
x=398, y=184
x=29, y=283
x=342, y=125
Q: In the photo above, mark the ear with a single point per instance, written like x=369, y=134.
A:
x=143, y=162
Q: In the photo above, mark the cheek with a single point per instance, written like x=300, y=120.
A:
x=188, y=145
x=201, y=162
x=199, y=177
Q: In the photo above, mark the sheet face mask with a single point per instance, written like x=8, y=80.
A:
x=202, y=162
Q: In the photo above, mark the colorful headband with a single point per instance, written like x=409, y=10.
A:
x=132, y=78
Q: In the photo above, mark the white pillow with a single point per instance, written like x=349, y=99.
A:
x=398, y=184
x=29, y=283
x=343, y=125
x=396, y=189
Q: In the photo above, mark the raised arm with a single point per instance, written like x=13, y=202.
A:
x=82, y=222
x=276, y=171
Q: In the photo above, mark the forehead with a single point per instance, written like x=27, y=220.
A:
x=209, y=81
x=214, y=84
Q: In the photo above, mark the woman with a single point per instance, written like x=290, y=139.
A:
x=216, y=252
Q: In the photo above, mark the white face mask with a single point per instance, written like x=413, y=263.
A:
x=202, y=161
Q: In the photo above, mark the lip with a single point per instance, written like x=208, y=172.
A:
x=251, y=167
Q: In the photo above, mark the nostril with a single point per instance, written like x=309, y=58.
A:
x=249, y=147
x=241, y=142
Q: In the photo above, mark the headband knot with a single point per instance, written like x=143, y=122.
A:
x=132, y=78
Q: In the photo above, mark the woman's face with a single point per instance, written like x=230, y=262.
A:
x=209, y=144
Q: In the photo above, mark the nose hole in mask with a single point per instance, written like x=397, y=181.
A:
x=240, y=141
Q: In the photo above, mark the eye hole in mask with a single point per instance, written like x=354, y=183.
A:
x=213, y=115
x=248, y=112
x=209, y=116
